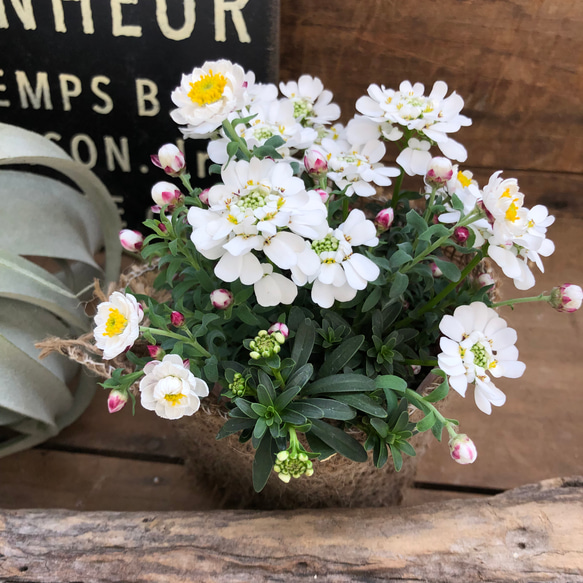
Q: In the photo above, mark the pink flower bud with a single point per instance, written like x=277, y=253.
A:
x=566, y=298
x=323, y=195
x=204, y=196
x=461, y=234
x=384, y=219
x=177, y=318
x=416, y=368
x=435, y=270
x=221, y=299
x=485, y=279
x=279, y=327
x=131, y=240
x=163, y=228
x=439, y=172
x=315, y=162
x=166, y=193
x=186, y=363
x=156, y=352
x=116, y=401
x=170, y=159
x=462, y=449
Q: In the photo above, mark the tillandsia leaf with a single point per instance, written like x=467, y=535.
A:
x=232, y=426
x=263, y=461
x=18, y=146
x=340, y=356
x=340, y=383
x=332, y=409
x=341, y=442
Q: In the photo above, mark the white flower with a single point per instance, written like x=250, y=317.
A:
x=170, y=159
x=208, y=95
x=131, y=240
x=273, y=288
x=361, y=129
x=170, y=389
x=567, y=298
x=117, y=324
x=415, y=158
x=310, y=100
x=462, y=449
x=439, y=172
x=165, y=193
x=478, y=341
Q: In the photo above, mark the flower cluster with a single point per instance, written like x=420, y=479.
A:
x=309, y=293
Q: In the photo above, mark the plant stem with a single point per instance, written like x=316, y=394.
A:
x=181, y=337
x=430, y=204
x=423, y=405
x=277, y=375
x=345, y=202
x=408, y=266
x=397, y=189
x=540, y=298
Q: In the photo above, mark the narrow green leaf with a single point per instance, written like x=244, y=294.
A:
x=263, y=462
x=293, y=417
x=362, y=403
x=439, y=393
x=341, y=442
x=245, y=406
x=397, y=458
x=380, y=426
x=234, y=426
x=450, y=270
x=407, y=448
x=332, y=409
x=301, y=376
x=399, y=258
x=392, y=382
x=341, y=383
x=307, y=410
x=318, y=446
x=427, y=422
x=382, y=454
x=340, y=356
x=303, y=343
x=260, y=428
x=283, y=400
x=372, y=299
x=399, y=285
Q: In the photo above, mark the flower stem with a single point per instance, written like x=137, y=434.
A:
x=345, y=202
x=181, y=337
x=540, y=298
x=397, y=189
x=278, y=376
x=430, y=204
x=423, y=405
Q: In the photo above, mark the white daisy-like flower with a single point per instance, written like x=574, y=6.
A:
x=310, y=100
x=170, y=389
x=434, y=116
x=362, y=129
x=117, y=324
x=274, y=289
x=415, y=158
x=476, y=342
x=207, y=96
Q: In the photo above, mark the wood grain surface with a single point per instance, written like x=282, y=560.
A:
x=533, y=534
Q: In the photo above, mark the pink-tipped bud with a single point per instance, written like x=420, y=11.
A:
x=462, y=449
x=315, y=162
x=116, y=401
x=485, y=279
x=170, y=159
x=221, y=299
x=416, y=368
x=131, y=240
x=439, y=171
x=323, y=195
x=204, y=196
x=279, y=327
x=384, y=219
x=156, y=352
x=436, y=272
x=177, y=318
x=461, y=235
x=186, y=363
x=166, y=193
x=566, y=298
x=163, y=228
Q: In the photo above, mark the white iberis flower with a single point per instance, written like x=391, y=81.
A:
x=310, y=100
x=355, y=167
x=434, y=116
x=518, y=233
x=261, y=207
x=415, y=158
x=476, y=342
x=170, y=389
x=208, y=95
x=342, y=272
x=117, y=324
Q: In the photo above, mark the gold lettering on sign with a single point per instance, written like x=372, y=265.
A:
x=118, y=28
x=40, y=93
x=3, y=102
x=76, y=141
x=234, y=7
x=107, y=100
x=146, y=91
x=201, y=158
x=70, y=87
x=189, y=20
x=86, y=15
x=113, y=154
x=23, y=9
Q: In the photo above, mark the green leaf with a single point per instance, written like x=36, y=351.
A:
x=301, y=376
x=341, y=442
x=232, y=148
x=340, y=356
x=245, y=406
x=381, y=454
x=397, y=458
x=293, y=417
x=439, y=393
x=406, y=447
x=318, y=446
x=362, y=403
x=234, y=426
x=427, y=422
x=380, y=426
x=399, y=258
x=402, y=422
x=392, y=382
x=307, y=410
x=286, y=398
x=263, y=462
x=341, y=383
x=415, y=220
x=437, y=429
x=391, y=400
x=332, y=408
x=372, y=299
x=274, y=142
x=260, y=428
x=450, y=270
x=303, y=343
x=399, y=285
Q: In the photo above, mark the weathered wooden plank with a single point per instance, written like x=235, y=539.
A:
x=516, y=63
x=532, y=534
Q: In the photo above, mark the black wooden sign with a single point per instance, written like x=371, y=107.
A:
x=96, y=76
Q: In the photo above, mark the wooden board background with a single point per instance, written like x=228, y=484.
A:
x=518, y=64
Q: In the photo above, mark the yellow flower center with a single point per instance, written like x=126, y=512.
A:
x=463, y=179
x=116, y=323
x=506, y=194
x=208, y=89
x=174, y=399
x=512, y=213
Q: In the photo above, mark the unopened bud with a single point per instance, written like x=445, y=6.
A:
x=221, y=299
x=156, y=352
x=566, y=298
x=170, y=159
x=323, y=194
x=462, y=449
x=439, y=171
x=435, y=270
x=131, y=240
x=116, y=401
x=279, y=327
x=315, y=162
x=177, y=318
x=461, y=235
x=485, y=279
x=384, y=219
x=166, y=193
x=204, y=196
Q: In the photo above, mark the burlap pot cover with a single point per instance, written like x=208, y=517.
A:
x=226, y=466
